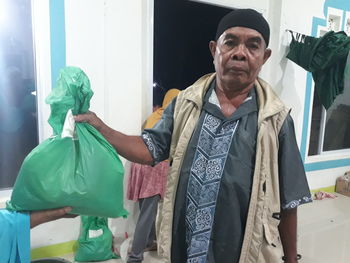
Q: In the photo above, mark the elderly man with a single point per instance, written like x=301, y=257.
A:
x=236, y=174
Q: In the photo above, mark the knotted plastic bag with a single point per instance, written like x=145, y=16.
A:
x=76, y=167
x=95, y=240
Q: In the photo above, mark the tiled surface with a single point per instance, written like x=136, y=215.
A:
x=149, y=257
x=323, y=233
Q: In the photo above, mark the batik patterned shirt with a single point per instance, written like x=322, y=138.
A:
x=214, y=188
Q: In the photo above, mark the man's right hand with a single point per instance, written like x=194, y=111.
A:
x=91, y=118
x=130, y=147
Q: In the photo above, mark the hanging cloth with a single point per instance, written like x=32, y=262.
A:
x=347, y=74
x=325, y=58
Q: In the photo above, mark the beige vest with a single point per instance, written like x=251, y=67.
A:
x=261, y=241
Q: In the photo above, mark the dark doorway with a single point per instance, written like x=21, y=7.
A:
x=182, y=31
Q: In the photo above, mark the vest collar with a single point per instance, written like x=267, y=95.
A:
x=268, y=102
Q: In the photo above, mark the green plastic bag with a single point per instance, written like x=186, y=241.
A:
x=76, y=167
x=95, y=240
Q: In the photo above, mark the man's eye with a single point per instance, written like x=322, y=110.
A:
x=253, y=46
x=229, y=43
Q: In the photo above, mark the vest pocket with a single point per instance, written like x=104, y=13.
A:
x=270, y=234
x=271, y=247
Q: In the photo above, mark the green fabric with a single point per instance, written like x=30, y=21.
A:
x=84, y=172
x=95, y=240
x=347, y=74
x=326, y=58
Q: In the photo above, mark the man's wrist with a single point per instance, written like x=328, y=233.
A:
x=104, y=130
x=291, y=259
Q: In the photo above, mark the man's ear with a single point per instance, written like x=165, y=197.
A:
x=212, y=48
x=267, y=54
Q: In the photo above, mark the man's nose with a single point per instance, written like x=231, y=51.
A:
x=239, y=53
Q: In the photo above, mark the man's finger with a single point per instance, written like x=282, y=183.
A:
x=86, y=117
x=57, y=213
x=70, y=216
x=39, y=217
x=80, y=118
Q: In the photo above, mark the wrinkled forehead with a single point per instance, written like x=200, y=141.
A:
x=242, y=33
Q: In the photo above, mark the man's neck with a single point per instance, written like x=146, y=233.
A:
x=233, y=95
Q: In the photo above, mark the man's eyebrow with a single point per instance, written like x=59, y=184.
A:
x=255, y=39
x=230, y=36
x=251, y=39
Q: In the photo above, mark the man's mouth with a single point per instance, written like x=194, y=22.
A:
x=237, y=69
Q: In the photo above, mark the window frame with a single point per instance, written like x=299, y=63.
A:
x=42, y=58
x=42, y=54
x=321, y=154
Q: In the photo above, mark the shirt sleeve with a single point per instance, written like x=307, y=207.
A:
x=294, y=188
x=158, y=138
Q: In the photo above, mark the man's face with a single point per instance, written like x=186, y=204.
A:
x=238, y=55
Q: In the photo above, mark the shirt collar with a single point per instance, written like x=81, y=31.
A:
x=213, y=98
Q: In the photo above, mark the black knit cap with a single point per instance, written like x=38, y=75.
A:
x=244, y=18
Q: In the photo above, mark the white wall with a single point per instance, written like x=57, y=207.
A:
x=111, y=39
x=288, y=79
x=106, y=39
x=260, y=5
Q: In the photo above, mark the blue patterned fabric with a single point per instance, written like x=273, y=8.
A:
x=295, y=203
x=150, y=145
x=204, y=183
